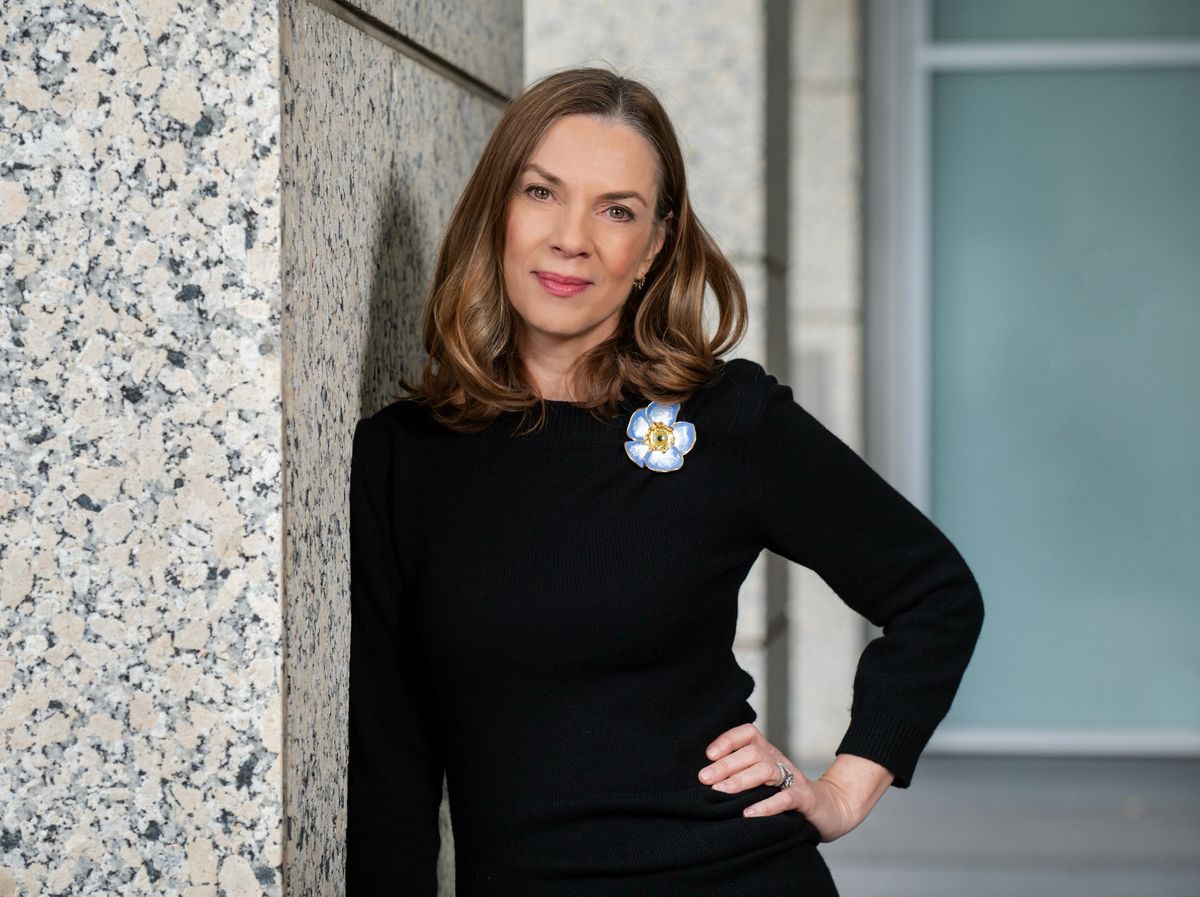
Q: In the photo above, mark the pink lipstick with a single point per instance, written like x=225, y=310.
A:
x=561, y=284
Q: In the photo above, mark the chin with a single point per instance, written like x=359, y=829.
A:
x=563, y=329
x=561, y=325
x=549, y=316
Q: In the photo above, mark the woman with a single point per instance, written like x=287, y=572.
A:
x=546, y=613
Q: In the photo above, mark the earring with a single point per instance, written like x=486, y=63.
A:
x=640, y=282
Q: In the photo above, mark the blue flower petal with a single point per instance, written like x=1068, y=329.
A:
x=660, y=413
x=685, y=436
x=666, y=460
x=637, y=452
x=639, y=425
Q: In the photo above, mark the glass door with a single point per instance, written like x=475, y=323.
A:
x=1060, y=149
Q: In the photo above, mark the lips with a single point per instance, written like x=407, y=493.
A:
x=560, y=284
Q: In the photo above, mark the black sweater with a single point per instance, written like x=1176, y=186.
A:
x=551, y=625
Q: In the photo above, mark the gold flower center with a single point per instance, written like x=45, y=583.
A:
x=660, y=437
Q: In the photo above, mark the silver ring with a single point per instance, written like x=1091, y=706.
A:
x=786, y=776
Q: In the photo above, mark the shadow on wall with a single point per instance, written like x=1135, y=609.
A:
x=402, y=265
x=402, y=271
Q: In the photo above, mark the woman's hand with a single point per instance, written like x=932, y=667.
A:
x=834, y=803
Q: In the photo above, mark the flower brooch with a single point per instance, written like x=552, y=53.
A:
x=656, y=439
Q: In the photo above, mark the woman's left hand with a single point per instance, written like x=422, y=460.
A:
x=835, y=803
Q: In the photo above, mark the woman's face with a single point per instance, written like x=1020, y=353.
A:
x=583, y=208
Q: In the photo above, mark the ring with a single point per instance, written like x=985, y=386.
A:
x=786, y=776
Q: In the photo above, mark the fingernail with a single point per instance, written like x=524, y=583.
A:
x=721, y=786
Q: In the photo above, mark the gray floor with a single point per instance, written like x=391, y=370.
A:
x=1025, y=827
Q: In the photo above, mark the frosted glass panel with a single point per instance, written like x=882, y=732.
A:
x=1064, y=19
x=1066, y=405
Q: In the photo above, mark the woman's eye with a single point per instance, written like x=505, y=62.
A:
x=626, y=215
x=535, y=187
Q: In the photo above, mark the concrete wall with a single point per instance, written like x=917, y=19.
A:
x=216, y=224
x=825, y=297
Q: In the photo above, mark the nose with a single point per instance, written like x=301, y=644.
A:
x=571, y=234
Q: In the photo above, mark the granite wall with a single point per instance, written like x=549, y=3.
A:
x=140, y=605
x=378, y=140
x=216, y=221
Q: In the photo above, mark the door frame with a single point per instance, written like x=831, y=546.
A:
x=900, y=63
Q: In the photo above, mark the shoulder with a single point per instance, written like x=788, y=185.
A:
x=744, y=382
x=744, y=372
x=744, y=376
x=380, y=437
x=767, y=405
x=403, y=416
x=727, y=402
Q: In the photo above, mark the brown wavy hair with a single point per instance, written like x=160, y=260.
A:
x=659, y=349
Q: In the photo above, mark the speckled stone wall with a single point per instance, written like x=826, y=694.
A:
x=376, y=147
x=215, y=224
x=481, y=37
x=140, y=501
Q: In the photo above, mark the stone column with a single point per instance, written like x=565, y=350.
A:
x=216, y=227
x=826, y=308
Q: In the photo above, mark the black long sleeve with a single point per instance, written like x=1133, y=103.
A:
x=395, y=767
x=824, y=507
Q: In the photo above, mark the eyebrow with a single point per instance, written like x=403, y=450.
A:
x=557, y=181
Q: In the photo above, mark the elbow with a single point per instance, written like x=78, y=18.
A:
x=973, y=610
x=969, y=609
